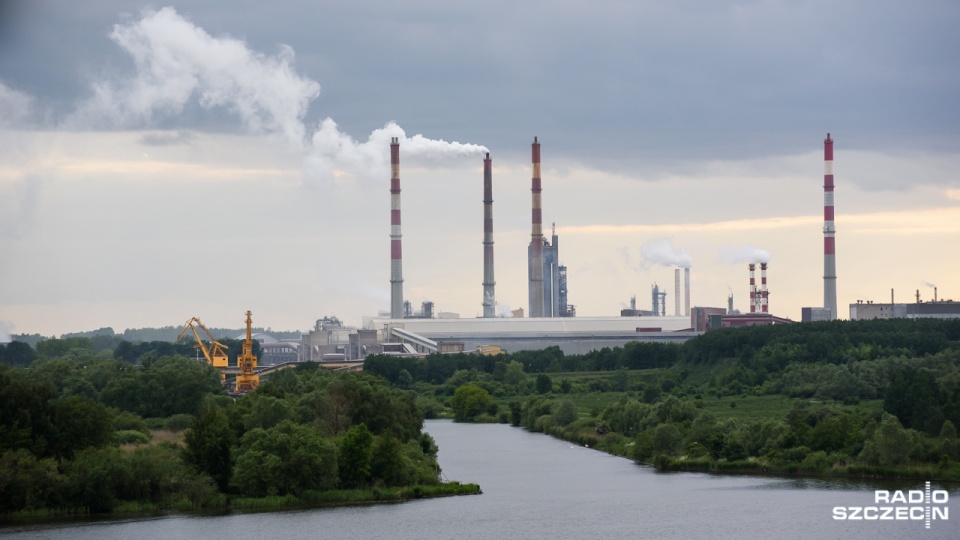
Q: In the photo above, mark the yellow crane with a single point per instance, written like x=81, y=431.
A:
x=247, y=380
x=215, y=354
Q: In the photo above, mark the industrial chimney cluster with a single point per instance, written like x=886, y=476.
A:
x=547, y=289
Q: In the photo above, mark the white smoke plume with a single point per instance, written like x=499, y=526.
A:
x=504, y=311
x=176, y=62
x=5, y=329
x=333, y=153
x=747, y=254
x=661, y=251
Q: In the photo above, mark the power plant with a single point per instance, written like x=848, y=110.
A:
x=550, y=318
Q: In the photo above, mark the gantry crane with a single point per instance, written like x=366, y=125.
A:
x=215, y=354
x=247, y=380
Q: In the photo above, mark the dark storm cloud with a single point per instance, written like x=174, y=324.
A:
x=611, y=84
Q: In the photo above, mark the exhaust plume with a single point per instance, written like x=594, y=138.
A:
x=661, y=251
x=5, y=329
x=177, y=62
x=747, y=254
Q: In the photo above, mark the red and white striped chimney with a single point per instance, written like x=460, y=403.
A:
x=396, y=258
x=753, y=289
x=829, y=232
x=536, y=239
x=763, y=287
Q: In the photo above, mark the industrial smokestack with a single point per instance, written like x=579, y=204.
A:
x=396, y=259
x=686, y=292
x=730, y=304
x=753, y=290
x=536, y=239
x=829, y=232
x=676, y=291
x=489, y=298
x=763, y=287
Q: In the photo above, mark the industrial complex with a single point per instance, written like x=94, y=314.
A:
x=550, y=317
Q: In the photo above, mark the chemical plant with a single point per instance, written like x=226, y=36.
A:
x=551, y=319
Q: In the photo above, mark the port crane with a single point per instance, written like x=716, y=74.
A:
x=215, y=354
x=247, y=380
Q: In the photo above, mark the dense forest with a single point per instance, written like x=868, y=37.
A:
x=84, y=430
x=862, y=397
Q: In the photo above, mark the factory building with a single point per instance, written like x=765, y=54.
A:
x=938, y=309
x=572, y=335
x=703, y=319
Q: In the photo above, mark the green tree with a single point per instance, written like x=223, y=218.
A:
x=97, y=478
x=666, y=439
x=544, y=384
x=79, y=423
x=29, y=483
x=565, y=413
x=514, y=374
x=17, y=353
x=286, y=459
x=208, y=445
x=355, y=457
x=469, y=401
x=387, y=463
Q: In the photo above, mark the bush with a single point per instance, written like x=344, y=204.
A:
x=130, y=436
x=564, y=413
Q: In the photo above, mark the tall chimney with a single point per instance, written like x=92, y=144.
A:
x=763, y=287
x=536, y=239
x=489, y=298
x=676, y=291
x=829, y=233
x=686, y=292
x=730, y=304
x=396, y=259
x=753, y=289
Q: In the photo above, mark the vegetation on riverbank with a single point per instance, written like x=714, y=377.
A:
x=861, y=398
x=84, y=433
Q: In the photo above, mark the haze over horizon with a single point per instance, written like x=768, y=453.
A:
x=203, y=159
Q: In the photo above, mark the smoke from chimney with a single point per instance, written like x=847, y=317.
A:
x=177, y=62
x=661, y=252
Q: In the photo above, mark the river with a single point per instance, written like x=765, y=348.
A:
x=535, y=486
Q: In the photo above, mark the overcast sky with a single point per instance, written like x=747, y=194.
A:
x=159, y=162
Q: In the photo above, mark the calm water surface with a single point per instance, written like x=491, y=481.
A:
x=535, y=486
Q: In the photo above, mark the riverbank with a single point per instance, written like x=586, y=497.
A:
x=814, y=464
x=227, y=505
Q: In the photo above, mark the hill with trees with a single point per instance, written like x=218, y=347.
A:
x=845, y=397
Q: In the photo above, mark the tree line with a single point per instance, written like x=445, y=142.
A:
x=86, y=431
x=867, y=396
